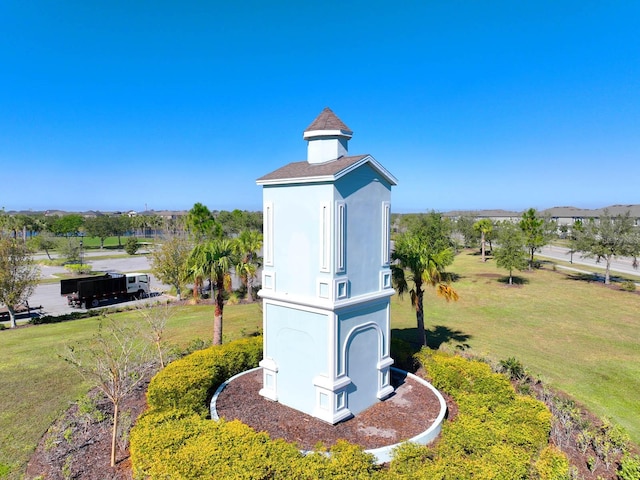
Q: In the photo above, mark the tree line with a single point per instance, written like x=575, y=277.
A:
x=197, y=246
x=426, y=244
x=102, y=226
x=211, y=252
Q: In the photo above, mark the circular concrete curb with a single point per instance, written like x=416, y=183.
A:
x=382, y=454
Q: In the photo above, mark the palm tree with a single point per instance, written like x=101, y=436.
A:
x=248, y=243
x=222, y=261
x=215, y=259
x=485, y=227
x=417, y=264
x=198, y=268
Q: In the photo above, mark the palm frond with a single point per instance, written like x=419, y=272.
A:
x=447, y=292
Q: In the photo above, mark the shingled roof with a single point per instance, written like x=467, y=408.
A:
x=327, y=120
x=305, y=172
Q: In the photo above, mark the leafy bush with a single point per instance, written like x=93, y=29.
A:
x=45, y=319
x=513, y=368
x=628, y=286
x=496, y=434
x=174, y=438
x=78, y=268
x=552, y=464
x=629, y=468
x=187, y=384
x=402, y=353
x=131, y=246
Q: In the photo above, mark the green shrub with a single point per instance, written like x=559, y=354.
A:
x=513, y=368
x=45, y=319
x=188, y=383
x=131, y=245
x=495, y=435
x=552, y=464
x=4, y=470
x=402, y=353
x=628, y=286
x=78, y=268
x=629, y=468
x=174, y=439
x=179, y=445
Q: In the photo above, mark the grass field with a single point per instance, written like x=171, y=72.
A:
x=578, y=336
x=109, y=242
x=36, y=386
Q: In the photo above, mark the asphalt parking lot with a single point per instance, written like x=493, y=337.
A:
x=48, y=296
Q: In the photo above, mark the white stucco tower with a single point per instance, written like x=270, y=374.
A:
x=326, y=281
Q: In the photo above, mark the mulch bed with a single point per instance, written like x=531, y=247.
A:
x=77, y=447
x=411, y=410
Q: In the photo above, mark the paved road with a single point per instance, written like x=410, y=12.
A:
x=618, y=264
x=48, y=295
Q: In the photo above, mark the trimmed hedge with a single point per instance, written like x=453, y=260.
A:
x=188, y=384
x=175, y=439
x=496, y=434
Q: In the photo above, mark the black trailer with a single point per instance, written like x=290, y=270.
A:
x=87, y=292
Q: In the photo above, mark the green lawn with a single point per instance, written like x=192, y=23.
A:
x=36, y=386
x=92, y=243
x=580, y=337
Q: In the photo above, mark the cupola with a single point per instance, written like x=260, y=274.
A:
x=327, y=138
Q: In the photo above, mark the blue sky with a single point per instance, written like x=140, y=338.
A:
x=117, y=105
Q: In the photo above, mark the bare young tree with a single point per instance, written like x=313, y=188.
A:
x=156, y=317
x=114, y=361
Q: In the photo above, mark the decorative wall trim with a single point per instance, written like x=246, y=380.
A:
x=325, y=237
x=386, y=233
x=341, y=237
x=268, y=233
x=305, y=302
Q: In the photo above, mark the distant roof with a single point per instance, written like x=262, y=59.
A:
x=570, y=212
x=482, y=213
x=634, y=210
x=305, y=172
x=554, y=212
x=327, y=120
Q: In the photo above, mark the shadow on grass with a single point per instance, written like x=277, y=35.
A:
x=488, y=255
x=585, y=277
x=436, y=336
x=545, y=263
x=515, y=279
x=451, y=277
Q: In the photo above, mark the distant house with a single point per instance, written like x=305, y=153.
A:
x=563, y=216
x=493, y=215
